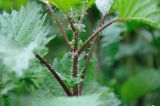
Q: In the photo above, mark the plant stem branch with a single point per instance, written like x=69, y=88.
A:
x=54, y=73
x=96, y=33
x=59, y=25
x=92, y=49
x=74, y=54
x=72, y=26
x=75, y=72
x=87, y=63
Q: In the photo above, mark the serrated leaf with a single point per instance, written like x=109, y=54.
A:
x=64, y=67
x=146, y=11
x=141, y=84
x=21, y=33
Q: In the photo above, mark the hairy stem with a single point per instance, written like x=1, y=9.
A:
x=87, y=63
x=96, y=33
x=75, y=72
x=74, y=54
x=75, y=57
x=92, y=49
x=75, y=63
x=54, y=73
x=98, y=44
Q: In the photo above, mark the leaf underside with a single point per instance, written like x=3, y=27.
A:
x=21, y=33
x=146, y=11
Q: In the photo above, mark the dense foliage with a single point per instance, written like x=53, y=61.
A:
x=78, y=52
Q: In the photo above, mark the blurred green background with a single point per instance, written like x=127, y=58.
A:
x=129, y=65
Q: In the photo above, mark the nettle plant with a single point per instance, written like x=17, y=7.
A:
x=24, y=35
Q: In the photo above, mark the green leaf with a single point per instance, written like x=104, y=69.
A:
x=90, y=100
x=112, y=34
x=146, y=11
x=109, y=43
x=8, y=4
x=141, y=46
x=64, y=68
x=104, y=98
x=64, y=65
x=141, y=84
x=104, y=5
x=65, y=5
x=22, y=32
